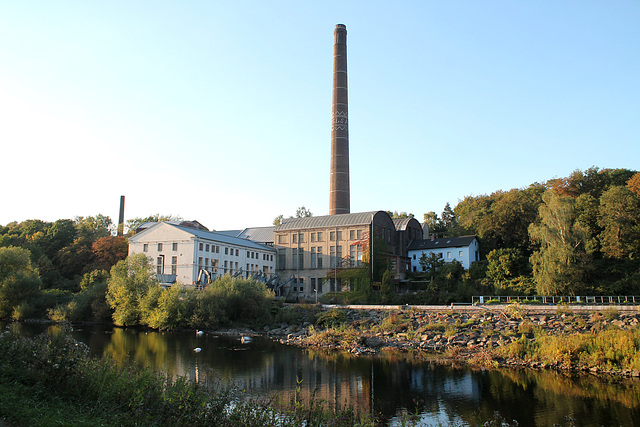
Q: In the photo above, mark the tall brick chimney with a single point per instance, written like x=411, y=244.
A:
x=339, y=197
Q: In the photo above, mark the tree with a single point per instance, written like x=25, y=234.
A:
x=399, y=215
x=278, y=220
x=563, y=246
x=108, y=251
x=134, y=223
x=620, y=220
x=634, y=184
x=130, y=281
x=19, y=280
x=303, y=212
x=94, y=227
x=431, y=263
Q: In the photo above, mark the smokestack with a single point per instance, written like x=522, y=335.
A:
x=339, y=198
x=121, y=217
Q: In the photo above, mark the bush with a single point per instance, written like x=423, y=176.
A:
x=332, y=318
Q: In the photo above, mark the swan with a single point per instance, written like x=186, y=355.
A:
x=245, y=339
x=199, y=333
x=197, y=349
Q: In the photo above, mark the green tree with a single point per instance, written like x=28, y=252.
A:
x=278, y=220
x=557, y=265
x=134, y=223
x=19, y=280
x=303, y=212
x=94, y=227
x=130, y=281
x=620, y=221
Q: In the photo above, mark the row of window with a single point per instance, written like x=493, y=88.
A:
x=145, y=247
x=316, y=285
x=205, y=247
x=441, y=255
x=318, y=236
x=316, y=257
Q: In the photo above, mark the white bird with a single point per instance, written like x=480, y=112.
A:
x=197, y=349
x=245, y=339
x=199, y=333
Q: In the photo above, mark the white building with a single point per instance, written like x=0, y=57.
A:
x=188, y=255
x=464, y=249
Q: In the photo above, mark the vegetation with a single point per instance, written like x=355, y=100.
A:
x=51, y=380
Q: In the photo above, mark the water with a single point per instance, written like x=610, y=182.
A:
x=393, y=386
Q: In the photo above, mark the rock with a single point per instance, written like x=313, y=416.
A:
x=373, y=342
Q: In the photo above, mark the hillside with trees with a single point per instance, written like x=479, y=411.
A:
x=568, y=236
x=578, y=235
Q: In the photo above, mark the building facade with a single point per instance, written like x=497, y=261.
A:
x=464, y=249
x=314, y=251
x=192, y=256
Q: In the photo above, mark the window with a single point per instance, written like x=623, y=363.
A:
x=200, y=246
x=339, y=256
x=460, y=254
x=320, y=236
x=282, y=238
x=314, y=259
x=217, y=249
x=319, y=256
x=301, y=237
x=414, y=256
x=226, y=251
x=332, y=256
x=439, y=255
x=174, y=247
x=282, y=258
x=313, y=237
x=145, y=247
x=352, y=234
x=313, y=283
x=206, y=262
x=352, y=256
x=206, y=248
x=159, y=247
x=294, y=258
x=248, y=254
x=332, y=236
x=200, y=262
x=160, y=264
x=448, y=255
x=294, y=238
x=174, y=265
x=359, y=234
x=237, y=252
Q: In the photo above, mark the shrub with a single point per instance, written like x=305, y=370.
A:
x=332, y=318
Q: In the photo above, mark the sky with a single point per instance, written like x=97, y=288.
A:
x=220, y=111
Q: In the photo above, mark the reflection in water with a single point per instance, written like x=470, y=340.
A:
x=389, y=385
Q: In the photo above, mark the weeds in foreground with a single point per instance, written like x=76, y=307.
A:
x=51, y=380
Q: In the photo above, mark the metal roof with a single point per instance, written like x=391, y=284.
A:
x=401, y=223
x=224, y=238
x=326, y=221
x=443, y=242
x=258, y=234
x=209, y=235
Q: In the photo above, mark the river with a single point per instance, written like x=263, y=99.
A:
x=392, y=386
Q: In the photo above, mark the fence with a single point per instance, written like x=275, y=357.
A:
x=542, y=299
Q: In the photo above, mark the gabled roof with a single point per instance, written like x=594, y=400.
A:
x=207, y=235
x=360, y=218
x=257, y=234
x=443, y=242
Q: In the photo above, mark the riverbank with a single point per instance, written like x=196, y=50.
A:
x=598, y=340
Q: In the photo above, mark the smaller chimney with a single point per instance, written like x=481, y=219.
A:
x=121, y=217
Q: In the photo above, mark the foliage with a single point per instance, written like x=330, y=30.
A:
x=19, y=280
x=620, y=220
x=133, y=223
x=130, y=281
x=563, y=247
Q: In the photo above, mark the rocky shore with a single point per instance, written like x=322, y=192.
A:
x=471, y=336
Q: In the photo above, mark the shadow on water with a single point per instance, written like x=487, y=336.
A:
x=388, y=385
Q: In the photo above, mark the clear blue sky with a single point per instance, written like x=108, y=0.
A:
x=220, y=111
